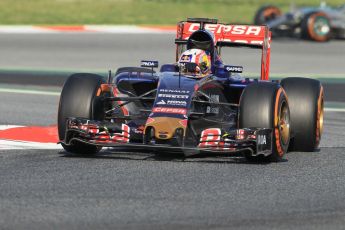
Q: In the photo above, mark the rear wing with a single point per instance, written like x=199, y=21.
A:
x=257, y=37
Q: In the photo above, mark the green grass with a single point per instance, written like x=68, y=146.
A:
x=161, y=12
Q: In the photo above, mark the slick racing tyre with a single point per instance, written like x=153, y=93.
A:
x=78, y=99
x=306, y=111
x=316, y=26
x=266, y=14
x=265, y=105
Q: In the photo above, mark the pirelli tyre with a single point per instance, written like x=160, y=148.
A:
x=306, y=111
x=78, y=99
x=266, y=14
x=316, y=26
x=265, y=105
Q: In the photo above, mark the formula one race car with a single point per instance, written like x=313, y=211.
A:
x=196, y=105
x=313, y=23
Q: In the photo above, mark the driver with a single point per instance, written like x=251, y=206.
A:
x=201, y=60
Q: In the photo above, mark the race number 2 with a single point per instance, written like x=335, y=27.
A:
x=210, y=137
x=122, y=137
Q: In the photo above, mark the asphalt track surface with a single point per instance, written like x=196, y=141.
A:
x=108, y=51
x=50, y=189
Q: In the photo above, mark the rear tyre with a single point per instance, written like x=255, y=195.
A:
x=78, y=99
x=266, y=14
x=265, y=105
x=316, y=26
x=306, y=109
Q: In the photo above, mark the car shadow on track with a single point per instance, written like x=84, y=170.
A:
x=171, y=157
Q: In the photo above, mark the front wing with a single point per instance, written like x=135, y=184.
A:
x=254, y=141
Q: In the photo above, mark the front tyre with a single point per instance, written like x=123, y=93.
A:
x=306, y=107
x=78, y=99
x=265, y=105
x=316, y=26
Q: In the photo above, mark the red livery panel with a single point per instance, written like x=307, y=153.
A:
x=258, y=36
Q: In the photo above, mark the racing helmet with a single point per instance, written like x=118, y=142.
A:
x=200, y=58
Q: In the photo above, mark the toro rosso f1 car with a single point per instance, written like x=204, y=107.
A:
x=190, y=108
x=313, y=23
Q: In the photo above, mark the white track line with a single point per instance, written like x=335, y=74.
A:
x=4, y=127
x=11, y=145
x=341, y=110
x=27, y=91
x=22, y=30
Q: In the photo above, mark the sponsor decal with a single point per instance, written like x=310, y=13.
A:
x=262, y=140
x=139, y=130
x=231, y=33
x=153, y=64
x=176, y=103
x=161, y=102
x=169, y=110
x=173, y=93
x=181, y=91
x=233, y=69
x=175, y=96
x=242, y=41
x=227, y=29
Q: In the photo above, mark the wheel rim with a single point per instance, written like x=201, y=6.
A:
x=319, y=124
x=321, y=26
x=321, y=118
x=284, y=124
